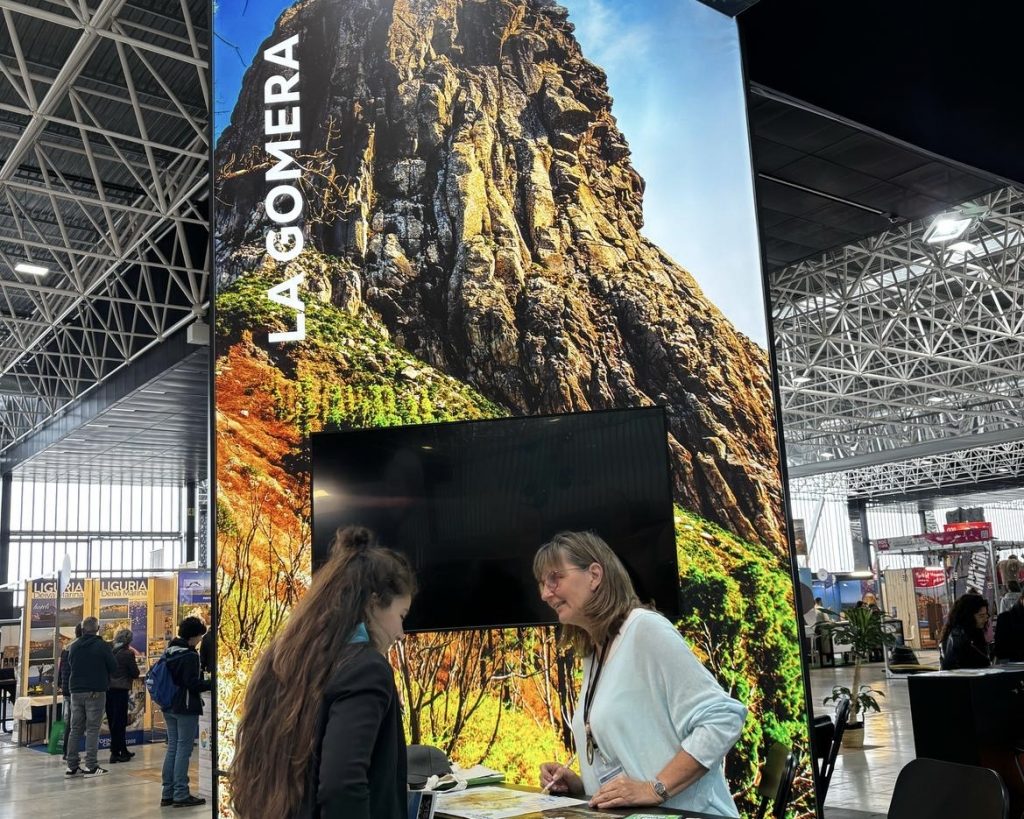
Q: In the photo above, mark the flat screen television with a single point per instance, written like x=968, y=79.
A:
x=470, y=502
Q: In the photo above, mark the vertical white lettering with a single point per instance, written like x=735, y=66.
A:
x=283, y=203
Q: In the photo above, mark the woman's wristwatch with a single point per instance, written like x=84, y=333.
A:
x=659, y=789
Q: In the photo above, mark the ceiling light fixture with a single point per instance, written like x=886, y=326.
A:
x=803, y=378
x=31, y=269
x=946, y=227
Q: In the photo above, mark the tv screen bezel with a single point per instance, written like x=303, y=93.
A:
x=672, y=614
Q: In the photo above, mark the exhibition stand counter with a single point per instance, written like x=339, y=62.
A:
x=23, y=714
x=476, y=803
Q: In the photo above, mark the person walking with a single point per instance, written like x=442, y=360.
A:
x=119, y=694
x=182, y=717
x=92, y=663
x=64, y=676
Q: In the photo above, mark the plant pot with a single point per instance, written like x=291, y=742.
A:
x=853, y=736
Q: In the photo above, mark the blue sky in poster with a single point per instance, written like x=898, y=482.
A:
x=674, y=72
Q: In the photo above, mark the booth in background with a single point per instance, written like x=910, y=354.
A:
x=149, y=606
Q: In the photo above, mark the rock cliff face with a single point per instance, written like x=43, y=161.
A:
x=465, y=174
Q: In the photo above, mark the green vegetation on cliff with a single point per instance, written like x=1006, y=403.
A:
x=484, y=698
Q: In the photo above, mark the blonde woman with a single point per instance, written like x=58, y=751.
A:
x=652, y=725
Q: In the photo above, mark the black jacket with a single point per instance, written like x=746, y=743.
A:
x=359, y=768
x=183, y=662
x=64, y=673
x=91, y=662
x=965, y=649
x=127, y=668
x=1009, y=644
x=206, y=651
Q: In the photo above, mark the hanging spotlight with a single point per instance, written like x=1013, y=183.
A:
x=946, y=227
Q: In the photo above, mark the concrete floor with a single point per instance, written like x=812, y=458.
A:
x=33, y=783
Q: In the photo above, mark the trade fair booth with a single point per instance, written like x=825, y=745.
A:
x=150, y=607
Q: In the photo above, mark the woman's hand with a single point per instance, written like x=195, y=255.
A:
x=624, y=792
x=558, y=779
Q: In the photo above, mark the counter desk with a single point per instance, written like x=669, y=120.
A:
x=577, y=812
x=974, y=717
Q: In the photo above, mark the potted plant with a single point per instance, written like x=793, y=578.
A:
x=861, y=629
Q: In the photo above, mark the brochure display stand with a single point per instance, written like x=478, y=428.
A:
x=124, y=603
x=149, y=606
x=163, y=619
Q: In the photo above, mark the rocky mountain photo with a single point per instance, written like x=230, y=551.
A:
x=473, y=247
x=467, y=180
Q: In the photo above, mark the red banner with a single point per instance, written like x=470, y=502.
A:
x=977, y=533
x=928, y=578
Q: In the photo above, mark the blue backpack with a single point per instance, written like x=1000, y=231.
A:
x=160, y=684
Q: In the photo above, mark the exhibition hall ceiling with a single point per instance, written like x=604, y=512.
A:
x=103, y=193
x=908, y=346
x=823, y=182
x=890, y=347
x=155, y=435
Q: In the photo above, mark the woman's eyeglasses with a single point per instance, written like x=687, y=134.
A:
x=552, y=579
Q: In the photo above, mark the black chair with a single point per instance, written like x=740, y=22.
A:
x=947, y=790
x=828, y=764
x=776, y=782
x=7, y=691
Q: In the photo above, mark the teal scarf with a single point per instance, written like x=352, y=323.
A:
x=360, y=635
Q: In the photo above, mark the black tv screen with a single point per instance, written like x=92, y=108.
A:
x=470, y=502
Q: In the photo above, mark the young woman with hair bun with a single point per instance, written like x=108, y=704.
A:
x=321, y=731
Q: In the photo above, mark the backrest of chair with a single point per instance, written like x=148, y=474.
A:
x=829, y=763
x=785, y=785
x=773, y=770
x=947, y=790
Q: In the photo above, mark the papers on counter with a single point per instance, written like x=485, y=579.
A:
x=489, y=802
x=479, y=775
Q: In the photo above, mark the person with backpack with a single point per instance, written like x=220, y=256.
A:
x=119, y=693
x=182, y=714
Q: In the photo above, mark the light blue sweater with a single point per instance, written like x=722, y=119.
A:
x=653, y=699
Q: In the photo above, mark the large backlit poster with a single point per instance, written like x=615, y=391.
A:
x=458, y=209
x=124, y=603
x=41, y=670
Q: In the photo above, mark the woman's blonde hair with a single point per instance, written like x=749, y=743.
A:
x=612, y=600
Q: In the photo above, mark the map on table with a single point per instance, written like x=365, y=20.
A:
x=499, y=803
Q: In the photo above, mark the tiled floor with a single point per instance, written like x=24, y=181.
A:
x=32, y=784
x=864, y=778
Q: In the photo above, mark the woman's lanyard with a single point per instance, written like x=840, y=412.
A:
x=588, y=701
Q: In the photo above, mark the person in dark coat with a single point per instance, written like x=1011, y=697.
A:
x=206, y=651
x=182, y=717
x=64, y=678
x=963, y=641
x=119, y=694
x=324, y=689
x=92, y=663
x=1009, y=643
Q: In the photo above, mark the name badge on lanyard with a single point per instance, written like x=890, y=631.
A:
x=606, y=769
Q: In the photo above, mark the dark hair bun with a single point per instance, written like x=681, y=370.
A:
x=191, y=627
x=355, y=538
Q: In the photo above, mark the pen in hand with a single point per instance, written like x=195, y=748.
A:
x=558, y=775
